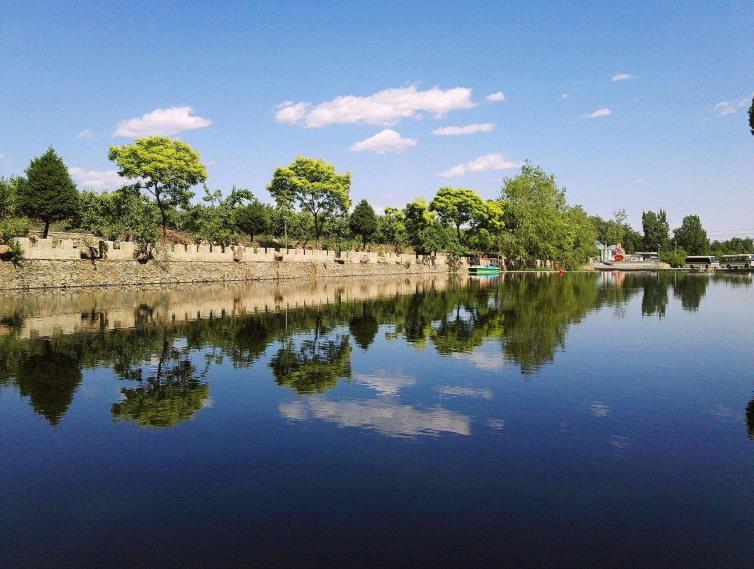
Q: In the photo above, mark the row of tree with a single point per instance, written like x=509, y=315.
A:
x=531, y=220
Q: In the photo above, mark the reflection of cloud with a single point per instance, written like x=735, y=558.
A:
x=724, y=413
x=384, y=383
x=380, y=415
x=599, y=409
x=620, y=442
x=465, y=392
x=498, y=424
x=482, y=360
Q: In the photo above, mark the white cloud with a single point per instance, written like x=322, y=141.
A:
x=379, y=415
x=384, y=142
x=622, y=77
x=290, y=112
x=725, y=108
x=386, y=107
x=599, y=113
x=2, y=155
x=496, y=97
x=481, y=164
x=96, y=179
x=86, y=134
x=468, y=129
x=483, y=360
x=163, y=122
x=599, y=409
x=564, y=95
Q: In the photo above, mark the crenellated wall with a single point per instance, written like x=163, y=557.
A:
x=63, y=263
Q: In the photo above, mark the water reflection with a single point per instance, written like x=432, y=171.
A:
x=385, y=416
x=306, y=334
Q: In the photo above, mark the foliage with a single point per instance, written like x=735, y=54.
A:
x=417, y=219
x=691, y=236
x=539, y=224
x=315, y=366
x=254, y=218
x=656, y=230
x=457, y=206
x=675, y=258
x=11, y=227
x=122, y=214
x=8, y=196
x=216, y=219
x=751, y=116
x=391, y=228
x=48, y=192
x=363, y=221
x=314, y=186
x=163, y=167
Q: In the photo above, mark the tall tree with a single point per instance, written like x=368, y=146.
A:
x=363, y=221
x=314, y=186
x=457, y=206
x=656, y=230
x=163, y=167
x=48, y=192
x=691, y=236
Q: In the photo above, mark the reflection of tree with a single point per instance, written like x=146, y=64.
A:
x=363, y=328
x=315, y=366
x=655, y=299
x=465, y=328
x=172, y=395
x=690, y=289
x=49, y=378
x=750, y=418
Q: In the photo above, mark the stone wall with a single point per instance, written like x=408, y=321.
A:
x=56, y=272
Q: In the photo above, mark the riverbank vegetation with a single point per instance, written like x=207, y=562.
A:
x=531, y=219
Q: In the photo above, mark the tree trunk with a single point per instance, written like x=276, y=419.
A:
x=316, y=227
x=164, y=216
x=47, y=229
x=458, y=232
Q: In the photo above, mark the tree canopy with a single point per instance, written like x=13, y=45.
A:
x=48, y=192
x=363, y=221
x=314, y=186
x=165, y=168
x=691, y=236
x=656, y=230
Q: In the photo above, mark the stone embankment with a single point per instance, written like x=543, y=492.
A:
x=62, y=263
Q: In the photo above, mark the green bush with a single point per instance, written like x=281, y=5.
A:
x=674, y=258
x=11, y=227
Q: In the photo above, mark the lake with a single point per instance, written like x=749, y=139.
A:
x=530, y=420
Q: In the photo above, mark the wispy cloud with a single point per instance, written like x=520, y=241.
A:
x=383, y=382
x=496, y=97
x=467, y=129
x=95, y=179
x=622, y=77
x=725, y=108
x=384, y=142
x=86, y=134
x=457, y=391
x=482, y=164
x=564, y=95
x=165, y=122
x=2, y=155
x=386, y=107
x=598, y=114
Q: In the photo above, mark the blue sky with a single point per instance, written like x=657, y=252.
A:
x=670, y=131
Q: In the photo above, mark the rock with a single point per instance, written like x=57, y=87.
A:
x=364, y=259
x=5, y=252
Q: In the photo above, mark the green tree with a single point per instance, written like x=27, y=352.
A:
x=391, y=228
x=314, y=186
x=691, y=236
x=656, y=230
x=216, y=218
x=8, y=196
x=48, y=192
x=163, y=167
x=751, y=116
x=417, y=218
x=457, y=206
x=253, y=219
x=363, y=221
x=539, y=224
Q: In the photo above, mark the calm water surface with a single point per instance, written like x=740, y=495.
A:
x=532, y=420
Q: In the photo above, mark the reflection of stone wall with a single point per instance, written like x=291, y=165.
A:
x=65, y=312
x=51, y=267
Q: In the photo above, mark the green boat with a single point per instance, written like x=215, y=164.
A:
x=484, y=270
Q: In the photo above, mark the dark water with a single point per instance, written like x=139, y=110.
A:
x=583, y=421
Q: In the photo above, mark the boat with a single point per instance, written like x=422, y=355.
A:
x=484, y=270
